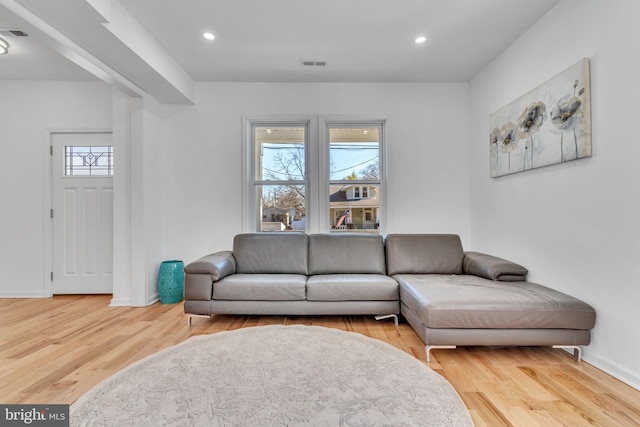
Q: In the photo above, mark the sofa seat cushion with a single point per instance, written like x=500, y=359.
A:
x=261, y=287
x=352, y=287
x=465, y=301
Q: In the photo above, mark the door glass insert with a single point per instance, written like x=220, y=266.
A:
x=88, y=160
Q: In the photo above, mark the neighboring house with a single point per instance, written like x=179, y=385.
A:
x=351, y=207
x=280, y=219
x=275, y=219
x=360, y=203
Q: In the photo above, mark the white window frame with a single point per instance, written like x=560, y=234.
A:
x=316, y=166
x=356, y=121
x=249, y=181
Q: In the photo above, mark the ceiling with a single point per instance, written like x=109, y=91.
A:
x=156, y=46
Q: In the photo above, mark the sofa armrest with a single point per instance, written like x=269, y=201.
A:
x=201, y=274
x=493, y=268
x=218, y=265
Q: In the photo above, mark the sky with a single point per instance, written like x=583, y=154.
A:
x=345, y=158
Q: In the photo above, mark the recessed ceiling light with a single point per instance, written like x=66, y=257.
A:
x=420, y=39
x=208, y=36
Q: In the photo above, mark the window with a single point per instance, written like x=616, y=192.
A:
x=279, y=177
x=359, y=192
x=303, y=177
x=88, y=161
x=355, y=180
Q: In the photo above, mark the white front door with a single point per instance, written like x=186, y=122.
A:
x=82, y=194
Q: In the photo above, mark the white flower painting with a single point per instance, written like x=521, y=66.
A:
x=550, y=124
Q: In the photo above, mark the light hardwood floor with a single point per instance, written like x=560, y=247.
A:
x=54, y=350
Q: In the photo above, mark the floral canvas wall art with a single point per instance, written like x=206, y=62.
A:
x=550, y=124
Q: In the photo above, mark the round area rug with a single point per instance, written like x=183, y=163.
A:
x=274, y=376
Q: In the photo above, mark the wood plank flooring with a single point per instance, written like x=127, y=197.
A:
x=54, y=350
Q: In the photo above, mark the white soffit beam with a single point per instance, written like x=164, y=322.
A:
x=123, y=26
x=136, y=67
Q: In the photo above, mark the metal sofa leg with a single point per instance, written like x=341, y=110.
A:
x=191, y=316
x=387, y=316
x=428, y=349
x=577, y=351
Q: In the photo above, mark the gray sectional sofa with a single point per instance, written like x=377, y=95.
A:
x=449, y=297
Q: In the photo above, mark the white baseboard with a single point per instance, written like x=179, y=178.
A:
x=23, y=294
x=621, y=373
x=120, y=302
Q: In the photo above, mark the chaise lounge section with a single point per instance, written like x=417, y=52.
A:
x=455, y=298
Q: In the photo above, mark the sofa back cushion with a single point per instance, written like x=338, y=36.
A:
x=284, y=253
x=424, y=254
x=346, y=254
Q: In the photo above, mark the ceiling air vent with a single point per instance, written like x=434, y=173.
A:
x=309, y=63
x=12, y=32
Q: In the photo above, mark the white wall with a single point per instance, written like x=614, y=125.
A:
x=139, y=194
x=28, y=111
x=178, y=189
x=201, y=177
x=157, y=171
x=574, y=225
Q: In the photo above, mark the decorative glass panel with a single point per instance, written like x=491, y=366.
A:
x=88, y=161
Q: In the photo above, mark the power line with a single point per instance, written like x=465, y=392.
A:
x=280, y=173
x=359, y=164
x=333, y=147
x=333, y=172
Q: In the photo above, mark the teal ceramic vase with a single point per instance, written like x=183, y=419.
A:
x=171, y=282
